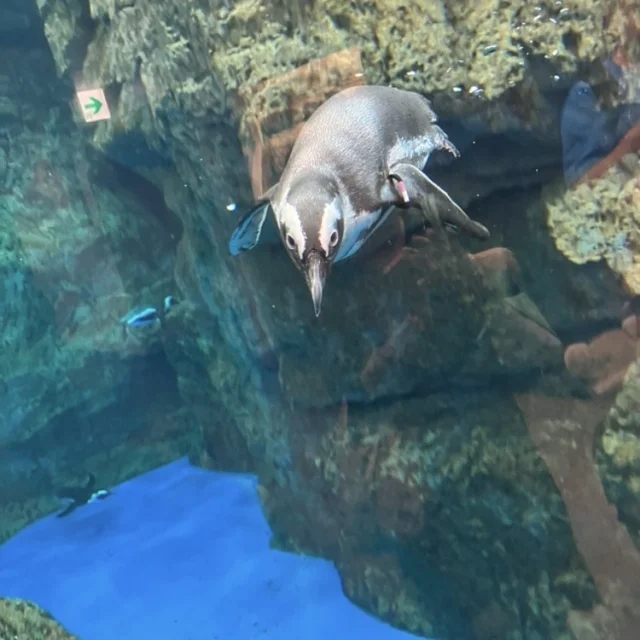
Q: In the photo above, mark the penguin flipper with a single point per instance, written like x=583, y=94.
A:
x=436, y=204
x=247, y=233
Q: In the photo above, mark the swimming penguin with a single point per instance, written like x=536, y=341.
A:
x=360, y=154
x=143, y=317
x=81, y=495
x=146, y=317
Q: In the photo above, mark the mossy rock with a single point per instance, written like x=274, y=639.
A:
x=22, y=620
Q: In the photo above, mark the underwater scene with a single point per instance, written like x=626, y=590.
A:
x=320, y=319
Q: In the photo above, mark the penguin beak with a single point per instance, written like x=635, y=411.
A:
x=315, y=273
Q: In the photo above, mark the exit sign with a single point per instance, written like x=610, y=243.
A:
x=93, y=105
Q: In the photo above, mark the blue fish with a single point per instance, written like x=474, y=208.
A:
x=588, y=133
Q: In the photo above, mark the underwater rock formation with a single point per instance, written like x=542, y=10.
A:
x=599, y=220
x=490, y=70
x=618, y=451
x=73, y=392
x=563, y=430
x=272, y=113
x=397, y=436
x=26, y=621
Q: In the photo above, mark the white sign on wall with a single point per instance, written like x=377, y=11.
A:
x=93, y=105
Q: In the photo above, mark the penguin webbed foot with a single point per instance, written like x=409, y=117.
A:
x=439, y=209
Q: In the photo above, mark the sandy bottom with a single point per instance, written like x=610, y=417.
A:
x=179, y=554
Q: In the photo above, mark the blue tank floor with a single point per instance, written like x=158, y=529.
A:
x=179, y=553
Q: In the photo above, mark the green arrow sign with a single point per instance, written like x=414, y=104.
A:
x=93, y=105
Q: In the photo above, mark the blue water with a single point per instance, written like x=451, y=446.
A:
x=182, y=554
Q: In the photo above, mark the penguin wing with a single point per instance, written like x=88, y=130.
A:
x=436, y=204
x=248, y=232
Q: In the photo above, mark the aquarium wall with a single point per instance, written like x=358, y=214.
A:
x=458, y=429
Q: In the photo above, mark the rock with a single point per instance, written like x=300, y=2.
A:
x=442, y=289
x=623, y=28
x=578, y=301
x=618, y=451
x=584, y=234
x=272, y=113
x=387, y=485
x=481, y=82
x=79, y=246
x=563, y=430
x=604, y=362
x=26, y=621
x=417, y=434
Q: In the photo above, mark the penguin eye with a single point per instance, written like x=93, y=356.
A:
x=333, y=239
x=291, y=243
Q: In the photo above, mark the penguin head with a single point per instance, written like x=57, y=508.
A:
x=312, y=227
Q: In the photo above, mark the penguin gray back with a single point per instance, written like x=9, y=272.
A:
x=357, y=134
x=359, y=156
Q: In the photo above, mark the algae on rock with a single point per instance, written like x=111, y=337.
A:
x=620, y=447
x=456, y=484
x=428, y=47
x=79, y=247
x=22, y=620
x=599, y=220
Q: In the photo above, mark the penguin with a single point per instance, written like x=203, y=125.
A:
x=144, y=317
x=79, y=496
x=357, y=158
